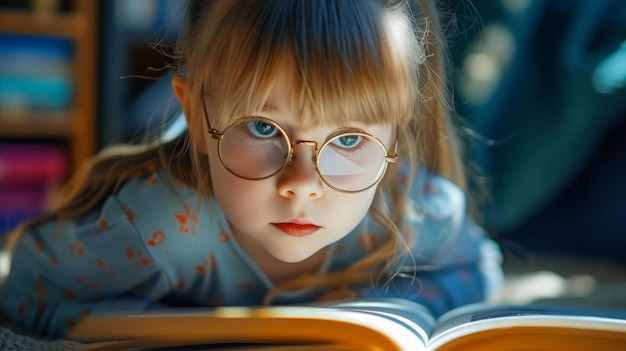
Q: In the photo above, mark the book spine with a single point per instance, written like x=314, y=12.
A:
x=30, y=176
x=35, y=74
x=32, y=164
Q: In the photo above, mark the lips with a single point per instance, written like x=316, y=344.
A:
x=296, y=229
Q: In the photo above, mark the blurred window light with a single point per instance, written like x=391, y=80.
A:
x=610, y=74
x=480, y=77
x=483, y=67
x=486, y=62
x=5, y=264
x=499, y=42
x=175, y=128
x=136, y=14
x=516, y=6
x=545, y=284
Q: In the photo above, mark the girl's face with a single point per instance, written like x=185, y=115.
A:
x=293, y=214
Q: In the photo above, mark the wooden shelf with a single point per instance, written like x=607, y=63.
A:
x=44, y=125
x=68, y=25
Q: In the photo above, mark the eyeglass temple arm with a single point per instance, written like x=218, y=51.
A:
x=215, y=134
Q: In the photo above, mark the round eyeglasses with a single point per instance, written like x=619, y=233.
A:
x=256, y=148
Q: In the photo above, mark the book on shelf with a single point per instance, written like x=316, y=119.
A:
x=369, y=324
x=31, y=176
x=32, y=164
x=35, y=73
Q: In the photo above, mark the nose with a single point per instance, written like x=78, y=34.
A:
x=299, y=179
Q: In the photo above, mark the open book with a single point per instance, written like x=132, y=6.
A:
x=380, y=324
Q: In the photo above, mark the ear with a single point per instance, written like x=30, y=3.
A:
x=180, y=85
x=182, y=90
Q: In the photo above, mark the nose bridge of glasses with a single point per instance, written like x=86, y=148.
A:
x=292, y=157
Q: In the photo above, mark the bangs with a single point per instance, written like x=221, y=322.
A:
x=345, y=60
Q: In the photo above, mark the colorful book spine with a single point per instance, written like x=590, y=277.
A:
x=29, y=176
x=32, y=164
x=35, y=74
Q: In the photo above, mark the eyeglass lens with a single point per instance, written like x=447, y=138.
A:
x=258, y=148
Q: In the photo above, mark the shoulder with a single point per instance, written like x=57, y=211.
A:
x=157, y=190
x=157, y=186
x=435, y=215
x=436, y=199
x=442, y=229
x=435, y=219
x=152, y=202
x=140, y=207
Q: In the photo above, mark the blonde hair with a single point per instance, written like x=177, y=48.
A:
x=378, y=61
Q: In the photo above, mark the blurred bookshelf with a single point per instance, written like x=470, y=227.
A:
x=48, y=100
x=74, y=125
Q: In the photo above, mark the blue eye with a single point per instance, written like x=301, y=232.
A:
x=347, y=141
x=262, y=129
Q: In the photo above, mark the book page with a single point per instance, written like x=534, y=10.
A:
x=142, y=345
x=294, y=325
x=414, y=315
x=568, y=327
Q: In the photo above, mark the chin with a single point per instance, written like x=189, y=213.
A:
x=291, y=258
x=290, y=255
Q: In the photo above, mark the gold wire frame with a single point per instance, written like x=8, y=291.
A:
x=390, y=156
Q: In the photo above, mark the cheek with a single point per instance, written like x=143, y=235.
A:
x=225, y=188
x=237, y=197
x=365, y=202
x=348, y=210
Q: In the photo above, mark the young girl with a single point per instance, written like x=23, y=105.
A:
x=306, y=173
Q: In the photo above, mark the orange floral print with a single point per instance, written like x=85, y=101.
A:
x=69, y=294
x=223, y=237
x=129, y=213
x=41, y=310
x=146, y=261
x=106, y=268
x=207, y=263
x=130, y=253
x=152, y=180
x=42, y=290
x=76, y=249
x=158, y=237
x=103, y=225
x=39, y=245
x=23, y=308
x=187, y=221
x=89, y=285
x=136, y=258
